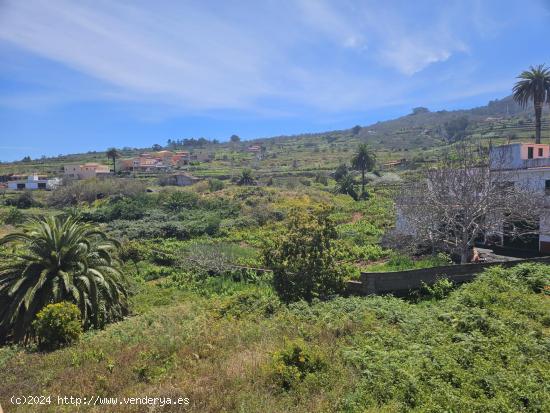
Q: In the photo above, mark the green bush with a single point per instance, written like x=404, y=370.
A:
x=24, y=201
x=118, y=208
x=294, y=363
x=250, y=302
x=178, y=201
x=13, y=216
x=321, y=178
x=132, y=251
x=536, y=276
x=215, y=185
x=439, y=290
x=159, y=224
x=57, y=325
x=303, y=258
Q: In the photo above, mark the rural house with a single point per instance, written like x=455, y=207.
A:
x=527, y=164
x=33, y=182
x=86, y=171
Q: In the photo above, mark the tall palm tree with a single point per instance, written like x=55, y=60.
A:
x=59, y=259
x=363, y=160
x=534, y=84
x=113, y=153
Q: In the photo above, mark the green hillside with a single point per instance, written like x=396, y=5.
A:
x=418, y=136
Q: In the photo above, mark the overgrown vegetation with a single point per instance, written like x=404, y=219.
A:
x=234, y=285
x=482, y=347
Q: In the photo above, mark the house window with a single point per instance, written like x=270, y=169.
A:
x=540, y=151
x=41, y=185
x=530, y=152
x=20, y=186
x=547, y=187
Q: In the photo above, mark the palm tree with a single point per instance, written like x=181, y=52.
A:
x=534, y=84
x=246, y=178
x=59, y=259
x=363, y=160
x=113, y=153
x=346, y=185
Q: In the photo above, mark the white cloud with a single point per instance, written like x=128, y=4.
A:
x=410, y=56
x=157, y=55
x=199, y=56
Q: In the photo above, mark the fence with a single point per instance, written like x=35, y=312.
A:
x=402, y=282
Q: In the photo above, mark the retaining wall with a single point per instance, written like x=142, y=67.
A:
x=402, y=282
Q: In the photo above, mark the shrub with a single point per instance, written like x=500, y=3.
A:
x=13, y=217
x=24, y=201
x=535, y=276
x=178, y=201
x=247, y=303
x=118, y=208
x=57, y=325
x=199, y=223
x=132, y=251
x=215, y=185
x=439, y=290
x=88, y=190
x=294, y=363
x=303, y=258
x=127, y=208
x=341, y=171
x=321, y=178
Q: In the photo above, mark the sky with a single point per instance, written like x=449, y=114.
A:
x=86, y=75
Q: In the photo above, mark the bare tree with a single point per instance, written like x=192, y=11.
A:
x=462, y=200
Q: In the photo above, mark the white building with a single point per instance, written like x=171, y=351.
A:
x=35, y=182
x=527, y=164
x=521, y=164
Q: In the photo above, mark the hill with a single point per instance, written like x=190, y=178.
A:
x=417, y=137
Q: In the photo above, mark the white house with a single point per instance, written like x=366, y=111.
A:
x=527, y=164
x=35, y=182
x=524, y=165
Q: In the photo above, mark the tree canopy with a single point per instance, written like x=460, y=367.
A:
x=534, y=85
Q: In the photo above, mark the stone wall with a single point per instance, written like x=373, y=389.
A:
x=402, y=282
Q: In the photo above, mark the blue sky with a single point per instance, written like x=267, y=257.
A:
x=85, y=75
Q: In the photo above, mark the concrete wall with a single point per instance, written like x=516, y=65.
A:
x=506, y=157
x=400, y=283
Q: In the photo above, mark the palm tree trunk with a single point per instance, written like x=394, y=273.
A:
x=362, y=182
x=114, y=165
x=538, y=116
